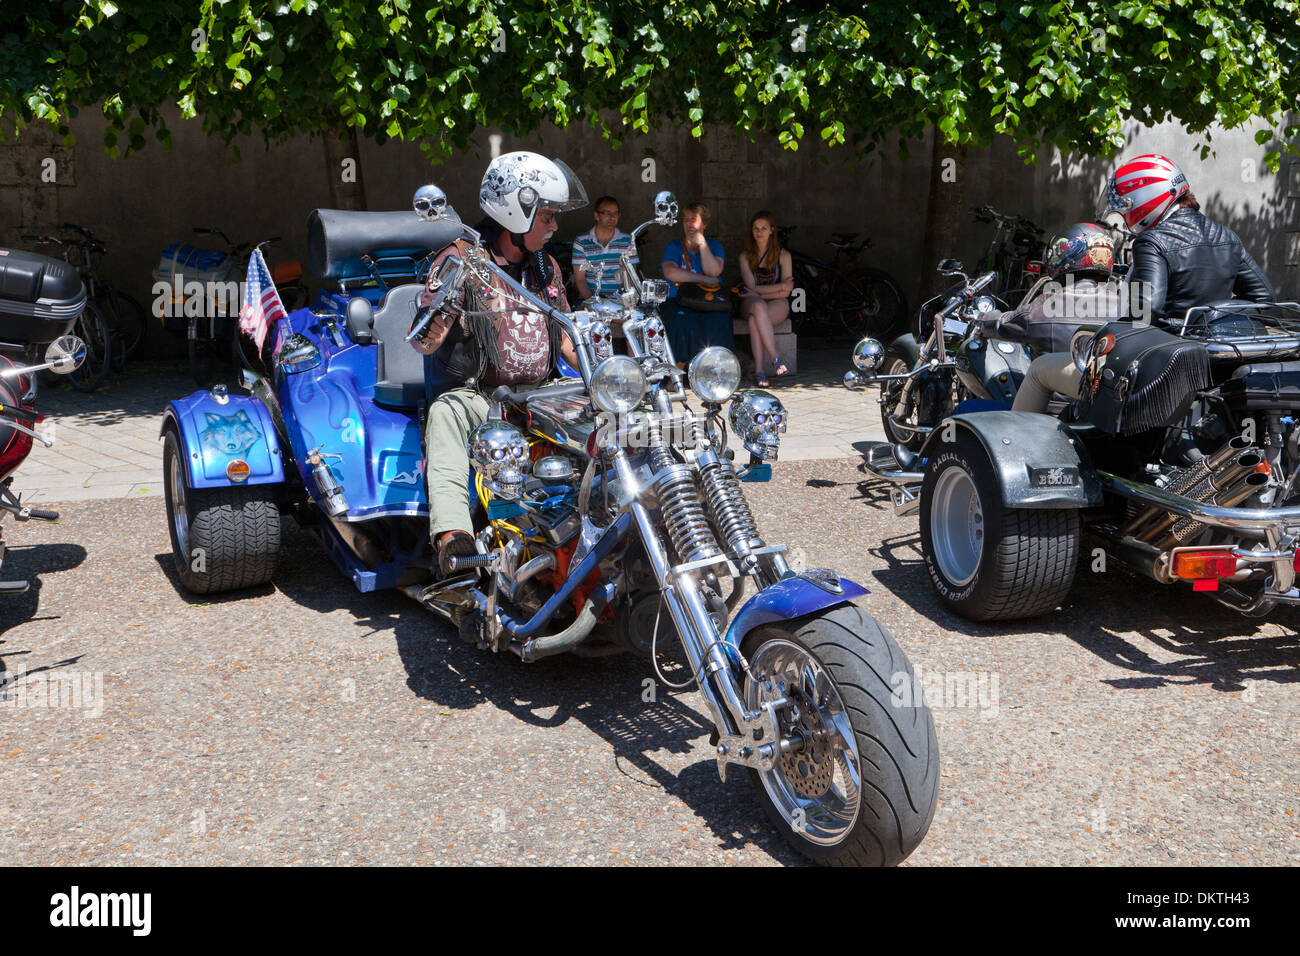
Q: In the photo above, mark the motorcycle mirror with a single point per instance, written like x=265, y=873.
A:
x=951, y=267
x=430, y=203
x=65, y=354
x=666, y=208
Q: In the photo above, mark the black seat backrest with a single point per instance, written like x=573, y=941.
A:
x=399, y=380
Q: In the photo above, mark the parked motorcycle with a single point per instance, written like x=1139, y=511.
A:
x=921, y=385
x=1180, y=459
x=610, y=516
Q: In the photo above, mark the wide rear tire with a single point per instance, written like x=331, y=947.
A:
x=988, y=562
x=223, y=539
x=868, y=727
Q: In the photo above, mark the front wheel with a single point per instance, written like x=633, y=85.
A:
x=986, y=561
x=861, y=787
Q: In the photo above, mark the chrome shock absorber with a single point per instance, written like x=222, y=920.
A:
x=679, y=502
x=727, y=505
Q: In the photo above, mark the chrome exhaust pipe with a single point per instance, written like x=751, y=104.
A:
x=1205, y=490
x=1184, y=480
x=1187, y=528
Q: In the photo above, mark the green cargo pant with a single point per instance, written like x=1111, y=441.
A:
x=452, y=416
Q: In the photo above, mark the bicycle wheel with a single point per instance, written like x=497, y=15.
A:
x=115, y=336
x=845, y=302
x=93, y=330
x=128, y=316
x=884, y=307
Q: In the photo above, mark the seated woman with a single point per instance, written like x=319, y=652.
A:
x=1074, y=291
x=767, y=275
x=698, y=316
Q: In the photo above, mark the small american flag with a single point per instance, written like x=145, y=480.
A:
x=262, y=305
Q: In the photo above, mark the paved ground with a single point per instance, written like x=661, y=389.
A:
x=304, y=722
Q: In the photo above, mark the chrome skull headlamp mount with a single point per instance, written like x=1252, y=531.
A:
x=499, y=452
x=758, y=418
x=600, y=338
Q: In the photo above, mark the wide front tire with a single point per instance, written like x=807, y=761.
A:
x=223, y=539
x=862, y=789
x=988, y=562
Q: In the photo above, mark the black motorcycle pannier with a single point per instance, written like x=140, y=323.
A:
x=1140, y=377
x=40, y=297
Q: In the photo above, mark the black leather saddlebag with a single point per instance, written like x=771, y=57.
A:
x=1140, y=377
x=40, y=297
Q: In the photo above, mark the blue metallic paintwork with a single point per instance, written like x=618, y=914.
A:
x=213, y=435
x=791, y=598
x=331, y=406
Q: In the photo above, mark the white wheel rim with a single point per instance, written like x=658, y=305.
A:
x=957, y=526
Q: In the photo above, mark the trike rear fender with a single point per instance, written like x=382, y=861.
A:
x=1039, y=463
x=214, y=433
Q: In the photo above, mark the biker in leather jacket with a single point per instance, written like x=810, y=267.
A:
x=1181, y=258
x=1188, y=259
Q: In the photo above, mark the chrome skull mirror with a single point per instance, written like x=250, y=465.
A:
x=666, y=209
x=499, y=452
x=430, y=203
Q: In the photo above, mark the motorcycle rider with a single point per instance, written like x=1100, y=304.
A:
x=499, y=340
x=1181, y=258
x=1074, y=291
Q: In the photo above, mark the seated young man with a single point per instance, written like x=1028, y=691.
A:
x=499, y=341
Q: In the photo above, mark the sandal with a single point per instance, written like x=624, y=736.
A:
x=762, y=382
x=779, y=367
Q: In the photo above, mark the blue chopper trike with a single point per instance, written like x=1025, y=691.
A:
x=610, y=518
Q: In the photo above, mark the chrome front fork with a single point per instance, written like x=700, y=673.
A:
x=750, y=738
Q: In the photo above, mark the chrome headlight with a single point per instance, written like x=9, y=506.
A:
x=499, y=452
x=618, y=385
x=714, y=374
x=868, y=356
x=758, y=418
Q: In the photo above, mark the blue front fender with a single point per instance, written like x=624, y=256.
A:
x=213, y=434
x=787, y=599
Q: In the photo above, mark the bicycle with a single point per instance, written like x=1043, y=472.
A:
x=113, y=323
x=1015, y=253
x=842, y=297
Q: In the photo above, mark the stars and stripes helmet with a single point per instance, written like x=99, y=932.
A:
x=1083, y=249
x=1144, y=189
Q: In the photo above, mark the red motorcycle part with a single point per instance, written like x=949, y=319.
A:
x=14, y=444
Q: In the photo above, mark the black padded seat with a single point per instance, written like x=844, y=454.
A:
x=399, y=376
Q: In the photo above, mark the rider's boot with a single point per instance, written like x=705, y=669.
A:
x=453, y=544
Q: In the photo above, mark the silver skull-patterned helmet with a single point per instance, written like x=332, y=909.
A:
x=666, y=208
x=499, y=452
x=758, y=417
x=656, y=339
x=602, y=341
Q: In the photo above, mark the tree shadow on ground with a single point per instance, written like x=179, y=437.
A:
x=605, y=695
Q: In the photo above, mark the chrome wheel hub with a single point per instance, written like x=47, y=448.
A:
x=180, y=513
x=957, y=526
x=816, y=784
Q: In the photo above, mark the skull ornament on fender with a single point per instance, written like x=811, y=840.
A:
x=602, y=341
x=499, y=452
x=759, y=418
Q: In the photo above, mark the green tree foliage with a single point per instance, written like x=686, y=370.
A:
x=1062, y=73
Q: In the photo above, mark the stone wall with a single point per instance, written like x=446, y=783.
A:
x=141, y=204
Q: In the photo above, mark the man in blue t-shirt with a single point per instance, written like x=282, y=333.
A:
x=697, y=261
x=600, y=249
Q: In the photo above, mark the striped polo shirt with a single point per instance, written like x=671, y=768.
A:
x=587, y=248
